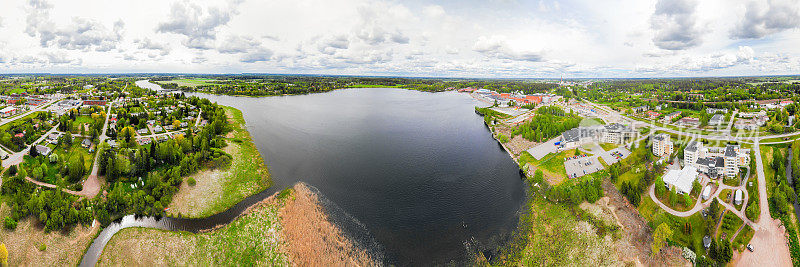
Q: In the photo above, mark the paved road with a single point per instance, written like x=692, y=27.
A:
x=730, y=123
x=723, y=137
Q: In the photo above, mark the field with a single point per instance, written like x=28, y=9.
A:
x=60, y=248
x=253, y=239
x=558, y=238
x=218, y=190
x=288, y=227
x=190, y=82
x=730, y=224
x=551, y=165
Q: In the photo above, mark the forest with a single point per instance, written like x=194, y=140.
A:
x=549, y=122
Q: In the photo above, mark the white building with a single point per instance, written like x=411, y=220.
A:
x=681, y=180
x=8, y=111
x=706, y=159
x=613, y=133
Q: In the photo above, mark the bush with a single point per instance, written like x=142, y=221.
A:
x=42, y=247
x=191, y=181
x=10, y=223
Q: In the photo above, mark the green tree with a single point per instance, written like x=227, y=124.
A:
x=660, y=236
x=713, y=210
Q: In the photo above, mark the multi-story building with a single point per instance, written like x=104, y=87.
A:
x=662, y=145
x=716, y=161
x=613, y=133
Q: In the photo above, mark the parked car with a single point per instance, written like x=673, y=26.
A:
x=750, y=247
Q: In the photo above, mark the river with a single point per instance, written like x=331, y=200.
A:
x=419, y=171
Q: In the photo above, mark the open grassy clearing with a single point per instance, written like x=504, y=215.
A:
x=608, y=146
x=730, y=224
x=60, y=248
x=252, y=239
x=551, y=165
x=743, y=238
x=218, y=190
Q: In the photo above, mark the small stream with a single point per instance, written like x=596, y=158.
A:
x=168, y=223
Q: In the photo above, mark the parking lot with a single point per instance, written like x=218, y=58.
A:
x=580, y=166
x=615, y=155
x=543, y=149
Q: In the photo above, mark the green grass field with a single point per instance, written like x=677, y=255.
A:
x=251, y=240
x=730, y=224
x=743, y=238
x=608, y=146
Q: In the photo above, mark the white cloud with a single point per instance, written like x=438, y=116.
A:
x=546, y=38
x=674, y=23
x=498, y=47
x=763, y=18
x=198, y=24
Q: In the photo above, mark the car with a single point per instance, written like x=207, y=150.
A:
x=750, y=247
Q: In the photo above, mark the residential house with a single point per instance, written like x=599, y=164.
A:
x=43, y=150
x=671, y=116
x=716, y=120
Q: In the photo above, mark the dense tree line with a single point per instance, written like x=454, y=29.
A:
x=549, y=122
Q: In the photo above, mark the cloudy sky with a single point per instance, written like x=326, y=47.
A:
x=455, y=38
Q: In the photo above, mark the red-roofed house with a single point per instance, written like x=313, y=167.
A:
x=534, y=98
x=653, y=115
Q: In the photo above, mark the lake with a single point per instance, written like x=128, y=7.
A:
x=419, y=170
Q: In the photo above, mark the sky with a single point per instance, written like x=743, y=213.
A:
x=466, y=38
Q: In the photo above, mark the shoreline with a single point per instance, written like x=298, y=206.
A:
x=300, y=232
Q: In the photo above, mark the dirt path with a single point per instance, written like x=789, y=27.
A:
x=769, y=239
x=637, y=237
x=52, y=186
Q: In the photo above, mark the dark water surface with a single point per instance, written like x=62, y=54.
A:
x=419, y=170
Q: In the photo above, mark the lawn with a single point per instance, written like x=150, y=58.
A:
x=608, y=146
x=218, y=190
x=743, y=238
x=724, y=195
x=551, y=165
x=631, y=176
x=730, y=224
x=52, y=175
x=769, y=173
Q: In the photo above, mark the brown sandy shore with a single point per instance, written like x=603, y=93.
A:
x=288, y=228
